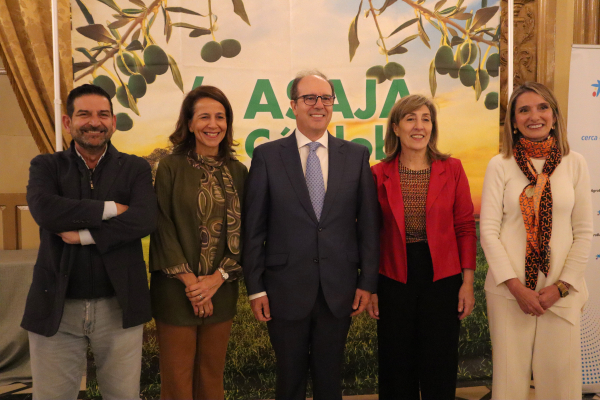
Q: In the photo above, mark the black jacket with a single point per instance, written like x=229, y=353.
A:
x=54, y=196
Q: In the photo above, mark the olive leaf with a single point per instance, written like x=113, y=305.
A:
x=134, y=45
x=423, y=34
x=78, y=66
x=139, y=3
x=114, y=32
x=496, y=37
x=85, y=12
x=111, y=4
x=132, y=102
x=119, y=23
x=96, y=32
x=132, y=11
x=432, y=78
x=483, y=15
x=461, y=16
x=456, y=40
x=199, y=32
x=439, y=5
x=136, y=34
x=175, y=72
x=477, y=86
x=100, y=48
x=452, y=31
x=408, y=39
x=239, y=9
x=404, y=25
x=353, y=33
x=397, y=49
x=386, y=5
x=448, y=10
x=183, y=10
x=86, y=53
x=188, y=26
x=460, y=2
x=483, y=3
x=367, y=12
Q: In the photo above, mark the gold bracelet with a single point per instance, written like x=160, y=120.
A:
x=562, y=288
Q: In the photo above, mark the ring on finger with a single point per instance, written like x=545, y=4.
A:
x=200, y=296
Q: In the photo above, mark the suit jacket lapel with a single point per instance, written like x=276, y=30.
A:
x=109, y=172
x=337, y=160
x=293, y=166
x=393, y=189
x=437, y=181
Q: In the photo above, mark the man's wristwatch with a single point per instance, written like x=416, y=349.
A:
x=224, y=274
x=562, y=288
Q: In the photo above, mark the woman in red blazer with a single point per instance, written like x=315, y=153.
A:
x=427, y=257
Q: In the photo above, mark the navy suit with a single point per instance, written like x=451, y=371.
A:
x=304, y=264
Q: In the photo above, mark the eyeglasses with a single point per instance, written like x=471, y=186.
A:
x=311, y=99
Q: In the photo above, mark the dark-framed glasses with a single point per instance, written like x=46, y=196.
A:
x=311, y=99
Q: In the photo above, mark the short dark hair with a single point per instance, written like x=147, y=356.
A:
x=183, y=140
x=85, y=90
x=303, y=74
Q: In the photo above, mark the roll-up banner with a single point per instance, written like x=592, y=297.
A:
x=583, y=128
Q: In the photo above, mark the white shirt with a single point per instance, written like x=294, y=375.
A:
x=322, y=153
x=304, y=150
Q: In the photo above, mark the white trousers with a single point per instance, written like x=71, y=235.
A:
x=548, y=345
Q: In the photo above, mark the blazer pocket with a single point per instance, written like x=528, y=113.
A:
x=40, y=299
x=353, y=256
x=276, y=259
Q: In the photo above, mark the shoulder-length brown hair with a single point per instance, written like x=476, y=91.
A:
x=404, y=106
x=559, y=132
x=183, y=140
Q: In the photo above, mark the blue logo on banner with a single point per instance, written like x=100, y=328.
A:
x=597, y=86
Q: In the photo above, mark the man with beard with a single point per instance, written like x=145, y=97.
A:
x=93, y=205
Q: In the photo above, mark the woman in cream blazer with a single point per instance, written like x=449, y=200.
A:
x=534, y=320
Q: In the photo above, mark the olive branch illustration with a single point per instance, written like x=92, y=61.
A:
x=135, y=55
x=460, y=46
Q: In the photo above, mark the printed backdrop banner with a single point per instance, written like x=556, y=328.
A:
x=151, y=53
x=584, y=119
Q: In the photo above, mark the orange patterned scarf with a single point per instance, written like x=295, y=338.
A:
x=536, y=204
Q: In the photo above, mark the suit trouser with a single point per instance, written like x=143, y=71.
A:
x=58, y=362
x=418, y=331
x=317, y=341
x=192, y=360
x=549, y=345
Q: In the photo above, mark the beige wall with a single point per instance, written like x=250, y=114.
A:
x=564, y=41
x=17, y=148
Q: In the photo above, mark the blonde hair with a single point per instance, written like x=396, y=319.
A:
x=404, y=106
x=559, y=132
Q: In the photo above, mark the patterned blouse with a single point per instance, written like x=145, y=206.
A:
x=414, y=193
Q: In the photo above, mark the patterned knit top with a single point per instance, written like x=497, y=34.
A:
x=414, y=193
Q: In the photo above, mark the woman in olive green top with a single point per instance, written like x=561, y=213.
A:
x=195, y=252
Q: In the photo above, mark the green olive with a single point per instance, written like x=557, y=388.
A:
x=231, y=48
x=491, y=101
x=444, y=60
x=122, y=96
x=107, y=84
x=393, y=70
x=124, y=122
x=211, y=51
x=493, y=64
x=376, y=72
x=156, y=60
x=126, y=59
x=467, y=75
x=137, y=85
